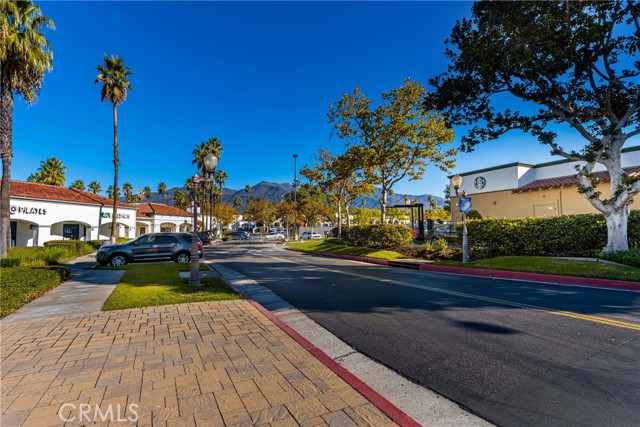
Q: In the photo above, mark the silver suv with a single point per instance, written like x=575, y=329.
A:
x=155, y=246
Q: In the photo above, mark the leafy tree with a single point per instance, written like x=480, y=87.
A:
x=447, y=198
x=438, y=214
x=285, y=212
x=433, y=204
x=260, y=210
x=574, y=64
x=395, y=140
x=237, y=202
x=114, y=76
x=181, y=200
x=78, y=184
x=162, y=190
x=110, y=193
x=95, y=187
x=51, y=171
x=247, y=189
x=338, y=178
x=364, y=216
x=25, y=55
x=225, y=214
x=314, y=210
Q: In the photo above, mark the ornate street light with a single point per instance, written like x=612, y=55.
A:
x=456, y=180
x=295, y=198
x=210, y=162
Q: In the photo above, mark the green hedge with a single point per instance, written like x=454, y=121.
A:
x=382, y=236
x=23, y=284
x=567, y=235
x=9, y=262
x=630, y=257
x=52, y=253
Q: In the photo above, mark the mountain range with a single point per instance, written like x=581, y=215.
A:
x=276, y=192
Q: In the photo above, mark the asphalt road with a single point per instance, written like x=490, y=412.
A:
x=515, y=353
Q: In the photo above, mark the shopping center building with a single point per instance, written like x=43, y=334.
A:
x=518, y=190
x=40, y=213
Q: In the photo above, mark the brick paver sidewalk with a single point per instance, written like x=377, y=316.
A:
x=203, y=364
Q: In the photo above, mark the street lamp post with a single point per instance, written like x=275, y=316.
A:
x=457, y=181
x=295, y=198
x=210, y=163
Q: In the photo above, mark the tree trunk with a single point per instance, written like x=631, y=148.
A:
x=383, y=206
x=617, y=230
x=6, y=149
x=116, y=164
x=346, y=208
x=339, y=219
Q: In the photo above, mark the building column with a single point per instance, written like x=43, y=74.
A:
x=44, y=234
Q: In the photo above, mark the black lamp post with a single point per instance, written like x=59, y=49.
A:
x=210, y=163
x=295, y=198
x=457, y=181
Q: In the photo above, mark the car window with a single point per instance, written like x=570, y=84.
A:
x=163, y=240
x=147, y=240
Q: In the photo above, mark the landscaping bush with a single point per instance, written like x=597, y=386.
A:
x=51, y=254
x=95, y=244
x=630, y=257
x=121, y=240
x=383, y=236
x=23, y=284
x=9, y=262
x=568, y=235
x=226, y=238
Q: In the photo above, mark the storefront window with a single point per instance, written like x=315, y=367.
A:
x=71, y=231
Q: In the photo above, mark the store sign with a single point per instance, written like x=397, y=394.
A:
x=465, y=204
x=118, y=216
x=25, y=210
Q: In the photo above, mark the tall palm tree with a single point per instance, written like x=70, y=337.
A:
x=95, y=187
x=146, y=192
x=110, y=193
x=51, y=171
x=162, y=190
x=127, y=190
x=212, y=146
x=237, y=202
x=180, y=199
x=114, y=77
x=25, y=55
x=78, y=184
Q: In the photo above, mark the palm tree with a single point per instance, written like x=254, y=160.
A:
x=25, y=55
x=180, y=199
x=114, y=78
x=110, y=193
x=146, y=192
x=51, y=171
x=162, y=190
x=95, y=187
x=237, y=202
x=127, y=190
x=212, y=146
x=78, y=184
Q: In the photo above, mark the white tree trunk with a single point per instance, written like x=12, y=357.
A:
x=383, y=206
x=617, y=230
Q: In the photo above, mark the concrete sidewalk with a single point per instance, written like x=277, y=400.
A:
x=203, y=364
x=85, y=292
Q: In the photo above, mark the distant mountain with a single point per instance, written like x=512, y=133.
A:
x=275, y=192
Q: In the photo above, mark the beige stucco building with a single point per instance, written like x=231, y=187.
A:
x=518, y=190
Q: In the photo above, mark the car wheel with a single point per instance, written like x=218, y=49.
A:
x=118, y=260
x=183, y=257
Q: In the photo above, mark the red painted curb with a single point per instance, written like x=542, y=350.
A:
x=504, y=274
x=373, y=396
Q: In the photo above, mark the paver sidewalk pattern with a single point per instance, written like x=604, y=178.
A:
x=203, y=364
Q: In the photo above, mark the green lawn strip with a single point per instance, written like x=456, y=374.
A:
x=23, y=284
x=146, y=285
x=336, y=248
x=547, y=265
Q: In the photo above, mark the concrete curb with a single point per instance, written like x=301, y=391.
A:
x=553, y=279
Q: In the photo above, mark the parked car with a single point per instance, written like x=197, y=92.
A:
x=237, y=235
x=204, y=236
x=274, y=235
x=308, y=235
x=444, y=230
x=154, y=246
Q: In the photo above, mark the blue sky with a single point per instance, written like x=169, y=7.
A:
x=259, y=76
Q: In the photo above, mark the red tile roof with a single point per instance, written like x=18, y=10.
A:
x=151, y=209
x=31, y=190
x=570, y=180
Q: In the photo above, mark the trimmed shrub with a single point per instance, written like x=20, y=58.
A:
x=54, y=253
x=226, y=238
x=630, y=257
x=9, y=262
x=567, y=235
x=23, y=284
x=95, y=244
x=382, y=236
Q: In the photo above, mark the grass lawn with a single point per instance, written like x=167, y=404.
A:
x=547, y=265
x=146, y=285
x=332, y=247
